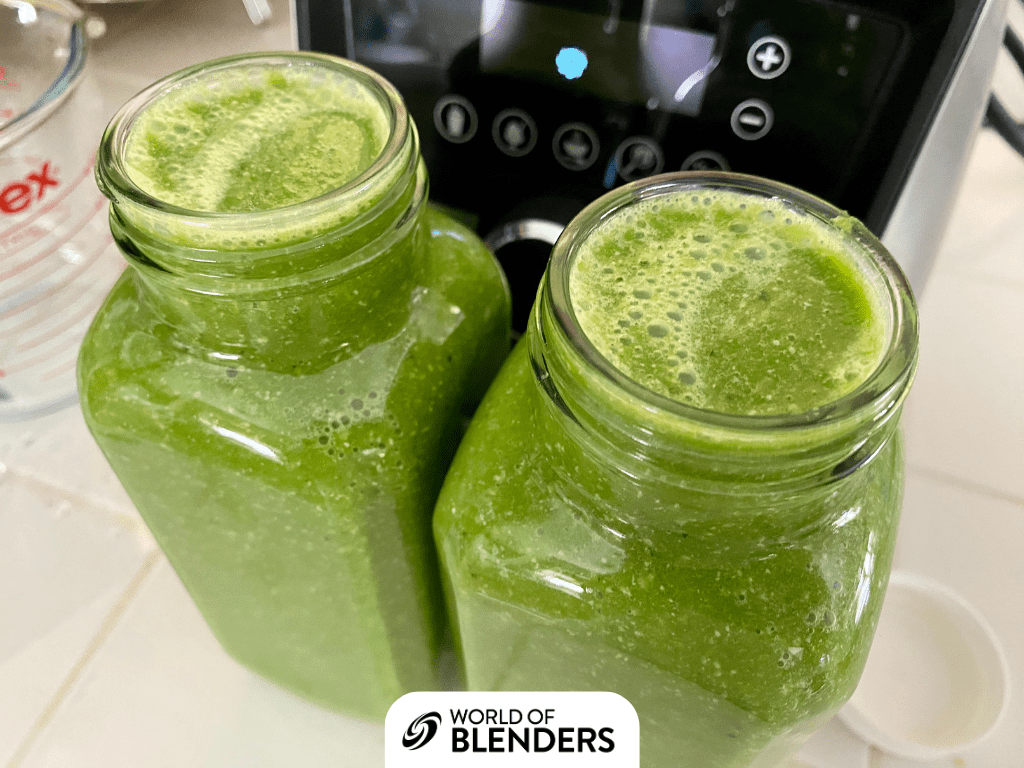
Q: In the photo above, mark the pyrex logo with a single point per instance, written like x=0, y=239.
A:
x=421, y=730
x=19, y=195
x=512, y=729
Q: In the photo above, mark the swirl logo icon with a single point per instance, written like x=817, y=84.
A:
x=421, y=730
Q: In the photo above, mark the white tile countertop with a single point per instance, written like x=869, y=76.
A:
x=106, y=663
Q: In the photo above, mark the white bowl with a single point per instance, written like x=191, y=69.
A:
x=936, y=681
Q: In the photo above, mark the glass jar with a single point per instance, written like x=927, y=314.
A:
x=724, y=573
x=279, y=391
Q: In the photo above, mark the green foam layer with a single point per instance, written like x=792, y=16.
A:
x=729, y=303
x=255, y=138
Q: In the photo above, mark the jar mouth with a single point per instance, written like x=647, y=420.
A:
x=115, y=179
x=876, y=396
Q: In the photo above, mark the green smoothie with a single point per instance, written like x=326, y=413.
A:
x=256, y=141
x=278, y=379
x=728, y=306
x=662, y=494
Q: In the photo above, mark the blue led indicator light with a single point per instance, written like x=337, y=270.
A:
x=571, y=62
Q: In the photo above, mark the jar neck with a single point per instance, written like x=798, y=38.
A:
x=297, y=281
x=648, y=436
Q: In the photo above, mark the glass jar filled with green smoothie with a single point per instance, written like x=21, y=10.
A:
x=278, y=378
x=684, y=485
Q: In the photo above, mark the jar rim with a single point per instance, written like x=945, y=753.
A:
x=117, y=184
x=879, y=393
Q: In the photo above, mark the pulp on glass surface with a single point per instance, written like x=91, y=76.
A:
x=652, y=499
x=278, y=379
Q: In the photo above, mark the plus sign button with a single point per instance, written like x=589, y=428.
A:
x=769, y=57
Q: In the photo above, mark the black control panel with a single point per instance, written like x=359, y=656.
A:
x=529, y=109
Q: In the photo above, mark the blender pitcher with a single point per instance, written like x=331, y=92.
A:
x=57, y=258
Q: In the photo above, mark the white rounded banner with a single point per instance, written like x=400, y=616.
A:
x=512, y=729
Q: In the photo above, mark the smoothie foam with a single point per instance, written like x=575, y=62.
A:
x=728, y=303
x=255, y=139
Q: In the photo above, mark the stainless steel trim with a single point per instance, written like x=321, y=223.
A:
x=293, y=19
x=918, y=222
x=523, y=229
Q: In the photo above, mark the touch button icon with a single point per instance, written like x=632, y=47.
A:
x=752, y=119
x=769, y=57
x=455, y=119
x=575, y=146
x=514, y=132
x=638, y=157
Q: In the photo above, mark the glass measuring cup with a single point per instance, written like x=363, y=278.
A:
x=57, y=258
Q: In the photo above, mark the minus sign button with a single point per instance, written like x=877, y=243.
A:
x=752, y=119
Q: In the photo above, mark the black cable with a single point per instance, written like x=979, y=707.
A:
x=1015, y=47
x=1002, y=121
x=996, y=114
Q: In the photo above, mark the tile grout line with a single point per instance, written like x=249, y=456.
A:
x=109, y=623
x=128, y=522
x=38, y=482
x=965, y=485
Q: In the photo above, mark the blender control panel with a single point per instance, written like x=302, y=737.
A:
x=529, y=109
x=591, y=101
